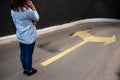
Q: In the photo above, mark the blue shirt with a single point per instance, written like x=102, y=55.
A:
x=25, y=29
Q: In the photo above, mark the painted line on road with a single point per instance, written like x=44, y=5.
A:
x=87, y=37
x=49, y=61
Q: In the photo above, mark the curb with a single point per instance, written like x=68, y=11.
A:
x=9, y=38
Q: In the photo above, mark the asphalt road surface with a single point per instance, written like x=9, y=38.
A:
x=93, y=53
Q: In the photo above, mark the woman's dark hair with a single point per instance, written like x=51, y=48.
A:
x=17, y=5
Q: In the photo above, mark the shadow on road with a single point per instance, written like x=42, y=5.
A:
x=118, y=74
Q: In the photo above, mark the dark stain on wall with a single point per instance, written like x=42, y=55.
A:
x=54, y=12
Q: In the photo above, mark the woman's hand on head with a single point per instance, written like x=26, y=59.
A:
x=31, y=5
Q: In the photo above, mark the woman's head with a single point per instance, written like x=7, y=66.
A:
x=17, y=5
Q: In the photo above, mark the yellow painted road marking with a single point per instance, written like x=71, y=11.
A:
x=90, y=38
x=45, y=63
x=86, y=38
x=106, y=40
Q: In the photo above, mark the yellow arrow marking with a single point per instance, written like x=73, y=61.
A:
x=107, y=40
x=45, y=63
x=87, y=38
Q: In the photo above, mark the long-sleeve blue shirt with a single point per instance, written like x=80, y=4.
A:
x=25, y=29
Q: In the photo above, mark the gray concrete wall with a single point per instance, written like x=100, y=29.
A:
x=54, y=12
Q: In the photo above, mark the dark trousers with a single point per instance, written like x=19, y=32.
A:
x=26, y=52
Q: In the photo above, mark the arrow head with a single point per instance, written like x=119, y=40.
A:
x=111, y=40
x=81, y=34
x=75, y=34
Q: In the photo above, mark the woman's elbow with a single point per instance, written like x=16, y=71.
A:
x=37, y=18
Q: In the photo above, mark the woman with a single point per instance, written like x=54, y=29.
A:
x=25, y=16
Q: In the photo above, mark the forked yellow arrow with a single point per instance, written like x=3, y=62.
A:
x=86, y=38
x=90, y=38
